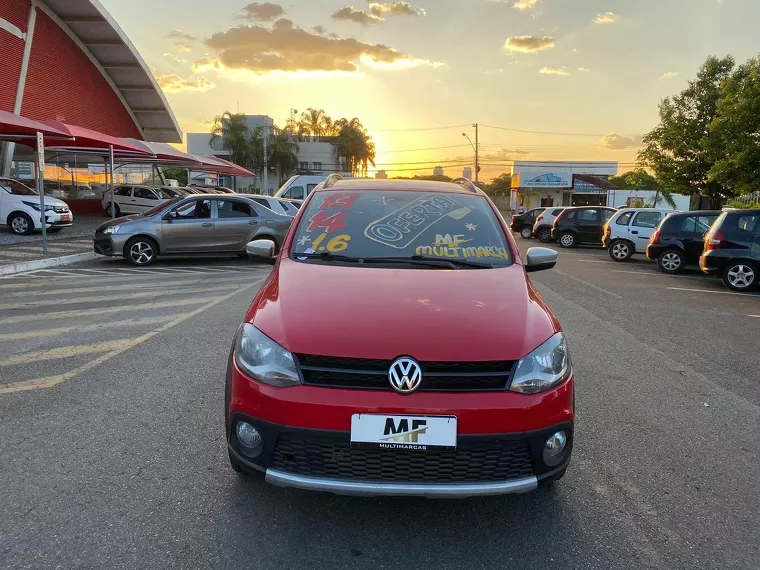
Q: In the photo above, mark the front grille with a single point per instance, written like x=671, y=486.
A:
x=471, y=462
x=372, y=374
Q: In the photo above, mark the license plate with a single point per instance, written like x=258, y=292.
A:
x=418, y=433
x=65, y=218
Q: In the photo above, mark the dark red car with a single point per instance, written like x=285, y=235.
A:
x=399, y=348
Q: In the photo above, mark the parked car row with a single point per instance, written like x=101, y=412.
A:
x=135, y=199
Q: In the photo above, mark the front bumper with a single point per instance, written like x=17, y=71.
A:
x=54, y=219
x=307, y=442
x=109, y=244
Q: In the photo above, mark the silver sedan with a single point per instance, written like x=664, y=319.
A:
x=209, y=224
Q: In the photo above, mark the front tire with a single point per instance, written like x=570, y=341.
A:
x=740, y=276
x=620, y=250
x=545, y=235
x=671, y=262
x=141, y=251
x=567, y=240
x=21, y=224
x=526, y=233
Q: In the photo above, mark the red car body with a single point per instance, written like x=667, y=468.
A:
x=376, y=314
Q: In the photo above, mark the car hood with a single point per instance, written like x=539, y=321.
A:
x=119, y=221
x=49, y=200
x=382, y=313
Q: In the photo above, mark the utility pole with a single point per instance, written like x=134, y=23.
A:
x=266, y=160
x=477, y=164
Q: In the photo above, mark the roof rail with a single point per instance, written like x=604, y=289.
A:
x=467, y=183
x=332, y=179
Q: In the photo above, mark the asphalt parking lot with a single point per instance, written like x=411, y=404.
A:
x=113, y=451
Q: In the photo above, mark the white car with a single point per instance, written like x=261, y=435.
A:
x=20, y=208
x=277, y=206
x=129, y=199
x=299, y=186
x=542, y=227
x=628, y=231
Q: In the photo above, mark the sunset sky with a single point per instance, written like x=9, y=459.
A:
x=593, y=68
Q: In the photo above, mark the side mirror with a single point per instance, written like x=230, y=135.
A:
x=260, y=248
x=540, y=258
x=171, y=216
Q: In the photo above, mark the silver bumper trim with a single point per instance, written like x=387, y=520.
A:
x=445, y=490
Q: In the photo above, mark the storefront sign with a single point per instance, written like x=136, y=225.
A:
x=538, y=179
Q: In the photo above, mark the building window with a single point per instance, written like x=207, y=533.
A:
x=304, y=166
x=317, y=166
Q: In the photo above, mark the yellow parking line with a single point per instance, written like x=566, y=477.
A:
x=63, y=352
x=50, y=381
x=120, y=297
x=102, y=311
x=88, y=328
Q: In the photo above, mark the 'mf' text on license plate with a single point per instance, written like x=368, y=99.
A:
x=418, y=433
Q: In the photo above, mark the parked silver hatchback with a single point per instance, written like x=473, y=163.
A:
x=191, y=225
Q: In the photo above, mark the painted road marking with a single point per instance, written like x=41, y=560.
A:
x=63, y=352
x=88, y=328
x=717, y=292
x=587, y=284
x=593, y=261
x=102, y=311
x=121, y=297
x=50, y=381
x=66, y=279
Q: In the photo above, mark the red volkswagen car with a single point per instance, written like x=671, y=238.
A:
x=399, y=348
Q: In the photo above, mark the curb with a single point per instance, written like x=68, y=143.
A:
x=43, y=263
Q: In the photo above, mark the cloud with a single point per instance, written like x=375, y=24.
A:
x=173, y=83
x=668, y=75
x=614, y=141
x=606, y=18
x=402, y=8
x=261, y=11
x=584, y=69
x=319, y=30
x=180, y=47
x=359, y=16
x=553, y=71
x=529, y=44
x=284, y=48
x=180, y=35
x=524, y=4
x=283, y=24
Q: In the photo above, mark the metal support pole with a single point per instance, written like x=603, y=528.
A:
x=10, y=147
x=110, y=164
x=477, y=164
x=40, y=168
x=266, y=166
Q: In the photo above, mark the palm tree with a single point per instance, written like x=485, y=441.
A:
x=314, y=122
x=355, y=145
x=232, y=130
x=283, y=152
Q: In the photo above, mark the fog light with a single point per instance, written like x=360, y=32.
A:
x=250, y=439
x=554, y=449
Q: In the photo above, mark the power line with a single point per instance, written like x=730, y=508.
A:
x=548, y=132
x=431, y=148
x=423, y=129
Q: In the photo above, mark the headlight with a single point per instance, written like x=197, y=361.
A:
x=264, y=359
x=37, y=207
x=544, y=368
x=112, y=230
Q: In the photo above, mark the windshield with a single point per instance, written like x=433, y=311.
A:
x=401, y=225
x=16, y=188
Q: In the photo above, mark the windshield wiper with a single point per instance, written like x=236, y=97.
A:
x=429, y=262
x=327, y=256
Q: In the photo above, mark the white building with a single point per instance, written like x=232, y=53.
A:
x=467, y=172
x=314, y=157
x=549, y=184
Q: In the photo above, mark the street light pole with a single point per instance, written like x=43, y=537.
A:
x=477, y=163
x=266, y=167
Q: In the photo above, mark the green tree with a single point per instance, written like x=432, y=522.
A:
x=314, y=122
x=232, y=130
x=178, y=174
x=679, y=150
x=735, y=132
x=500, y=186
x=640, y=179
x=283, y=152
x=355, y=146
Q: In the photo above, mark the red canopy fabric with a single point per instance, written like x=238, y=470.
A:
x=87, y=140
x=15, y=127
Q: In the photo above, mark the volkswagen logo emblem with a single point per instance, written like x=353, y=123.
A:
x=405, y=375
